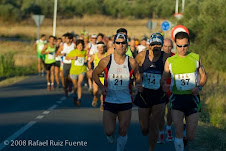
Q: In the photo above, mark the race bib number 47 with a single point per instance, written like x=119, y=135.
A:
x=185, y=81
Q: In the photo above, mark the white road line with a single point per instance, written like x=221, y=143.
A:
x=26, y=127
x=46, y=112
x=53, y=107
x=39, y=117
x=16, y=134
x=63, y=98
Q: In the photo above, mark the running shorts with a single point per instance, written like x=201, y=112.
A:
x=48, y=66
x=148, y=98
x=115, y=108
x=66, y=69
x=186, y=103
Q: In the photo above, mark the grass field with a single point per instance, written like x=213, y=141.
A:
x=93, y=24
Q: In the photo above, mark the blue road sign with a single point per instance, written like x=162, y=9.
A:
x=165, y=25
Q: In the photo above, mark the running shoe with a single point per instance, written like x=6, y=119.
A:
x=111, y=139
x=78, y=102
x=161, y=139
x=169, y=137
x=185, y=140
x=184, y=130
x=52, y=86
x=94, y=102
x=101, y=108
x=48, y=88
x=70, y=88
x=43, y=73
x=66, y=93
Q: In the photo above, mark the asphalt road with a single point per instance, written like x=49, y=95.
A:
x=32, y=119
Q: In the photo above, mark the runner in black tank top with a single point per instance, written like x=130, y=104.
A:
x=151, y=101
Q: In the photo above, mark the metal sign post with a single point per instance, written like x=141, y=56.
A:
x=38, y=20
x=54, y=17
x=149, y=26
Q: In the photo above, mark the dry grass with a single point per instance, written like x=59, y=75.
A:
x=93, y=24
x=11, y=81
x=23, y=52
x=208, y=138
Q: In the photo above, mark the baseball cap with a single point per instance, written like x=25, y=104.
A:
x=93, y=36
x=156, y=39
x=120, y=35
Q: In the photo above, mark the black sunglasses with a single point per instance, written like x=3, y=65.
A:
x=186, y=45
x=118, y=43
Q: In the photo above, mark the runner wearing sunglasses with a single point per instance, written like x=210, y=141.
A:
x=187, y=79
x=118, y=69
x=151, y=101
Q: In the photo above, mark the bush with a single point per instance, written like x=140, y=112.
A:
x=8, y=68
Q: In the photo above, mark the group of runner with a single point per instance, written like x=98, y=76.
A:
x=116, y=65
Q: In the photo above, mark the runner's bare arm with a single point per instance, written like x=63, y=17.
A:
x=60, y=49
x=71, y=58
x=110, y=51
x=165, y=75
x=99, y=69
x=203, y=75
x=140, y=57
x=203, y=79
x=44, y=52
x=90, y=61
x=136, y=74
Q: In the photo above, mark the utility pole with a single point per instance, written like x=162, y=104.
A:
x=176, y=7
x=183, y=3
x=54, y=17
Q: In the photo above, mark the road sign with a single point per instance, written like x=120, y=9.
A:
x=38, y=19
x=177, y=29
x=165, y=25
x=149, y=24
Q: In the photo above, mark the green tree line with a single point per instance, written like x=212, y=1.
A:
x=206, y=22
x=17, y=10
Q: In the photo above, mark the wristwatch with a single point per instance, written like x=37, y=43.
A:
x=200, y=87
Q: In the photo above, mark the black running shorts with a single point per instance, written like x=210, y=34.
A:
x=48, y=66
x=115, y=108
x=149, y=97
x=186, y=103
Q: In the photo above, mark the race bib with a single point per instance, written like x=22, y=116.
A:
x=118, y=81
x=185, y=81
x=80, y=61
x=51, y=56
x=151, y=80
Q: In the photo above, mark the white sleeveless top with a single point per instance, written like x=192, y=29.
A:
x=67, y=49
x=118, y=81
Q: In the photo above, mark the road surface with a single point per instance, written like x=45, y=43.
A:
x=32, y=119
